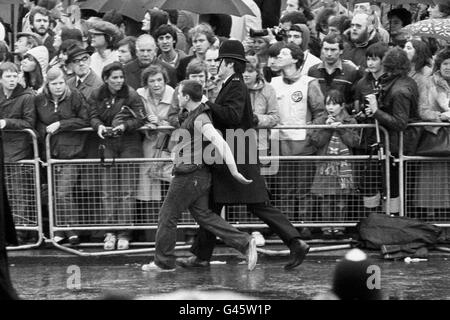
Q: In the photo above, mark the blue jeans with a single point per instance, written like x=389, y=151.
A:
x=191, y=191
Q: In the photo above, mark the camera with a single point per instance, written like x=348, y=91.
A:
x=279, y=33
x=111, y=133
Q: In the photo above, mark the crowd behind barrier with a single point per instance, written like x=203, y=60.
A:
x=86, y=212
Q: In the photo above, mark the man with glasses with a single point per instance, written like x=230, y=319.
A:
x=85, y=79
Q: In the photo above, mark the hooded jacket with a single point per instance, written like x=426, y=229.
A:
x=19, y=113
x=40, y=53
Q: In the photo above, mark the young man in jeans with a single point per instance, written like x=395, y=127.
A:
x=191, y=185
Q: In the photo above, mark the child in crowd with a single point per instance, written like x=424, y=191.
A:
x=334, y=179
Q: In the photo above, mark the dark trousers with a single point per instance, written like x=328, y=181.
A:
x=205, y=241
x=191, y=191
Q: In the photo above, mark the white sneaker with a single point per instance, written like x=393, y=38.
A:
x=153, y=267
x=123, y=244
x=58, y=239
x=252, y=254
x=110, y=241
x=260, y=241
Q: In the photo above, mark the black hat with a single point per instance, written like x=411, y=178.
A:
x=232, y=49
x=74, y=52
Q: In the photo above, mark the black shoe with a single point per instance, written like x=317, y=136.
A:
x=299, y=250
x=192, y=262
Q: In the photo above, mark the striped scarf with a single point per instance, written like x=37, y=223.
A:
x=341, y=169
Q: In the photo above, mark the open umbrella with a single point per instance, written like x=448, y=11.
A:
x=398, y=2
x=431, y=28
x=231, y=7
x=133, y=9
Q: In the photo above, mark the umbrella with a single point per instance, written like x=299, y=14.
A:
x=431, y=28
x=398, y=2
x=231, y=7
x=133, y=9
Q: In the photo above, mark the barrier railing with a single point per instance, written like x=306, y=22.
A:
x=425, y=183
x=23, y=184
x=121, y=195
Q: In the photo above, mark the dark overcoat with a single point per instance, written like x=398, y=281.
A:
x=233, y=110
x=19, y=113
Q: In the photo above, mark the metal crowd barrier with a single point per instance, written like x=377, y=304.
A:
x=294, y=188
x=102, y=195
x=425, y=184
x=22, y=180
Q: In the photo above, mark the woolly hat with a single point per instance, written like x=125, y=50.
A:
x=40, y=53
x=303, y=28
x=351, y=278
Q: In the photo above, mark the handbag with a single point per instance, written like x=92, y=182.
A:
x=434, y=145
x=161, y=170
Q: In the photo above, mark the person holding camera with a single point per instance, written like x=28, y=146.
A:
x=395, y=107
x=116, y=111
x=369, y=184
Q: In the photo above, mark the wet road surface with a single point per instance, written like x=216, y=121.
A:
x=52, y=277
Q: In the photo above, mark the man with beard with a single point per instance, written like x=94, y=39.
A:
x=146, y=51
x=40, y=24
x=360, y=36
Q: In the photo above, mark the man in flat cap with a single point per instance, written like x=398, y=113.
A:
x=104, y=36
x=232, y=109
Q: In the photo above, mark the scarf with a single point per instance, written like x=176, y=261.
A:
x=341, y=169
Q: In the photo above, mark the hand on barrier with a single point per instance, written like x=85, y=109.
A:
x=152, y=118
x=444, y=116
x=2, y=124
x=53, y=127
x=101, y=129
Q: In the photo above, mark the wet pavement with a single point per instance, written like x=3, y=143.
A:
x=50, y=274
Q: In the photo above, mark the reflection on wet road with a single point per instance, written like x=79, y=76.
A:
x=50, y=279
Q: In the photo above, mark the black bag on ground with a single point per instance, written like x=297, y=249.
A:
x=381, y=229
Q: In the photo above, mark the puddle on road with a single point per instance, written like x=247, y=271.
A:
x=51, y=279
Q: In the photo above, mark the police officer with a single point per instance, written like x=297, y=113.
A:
x=232, y=110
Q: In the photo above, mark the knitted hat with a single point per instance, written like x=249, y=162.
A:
x=351, y=278
x=40, y=53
